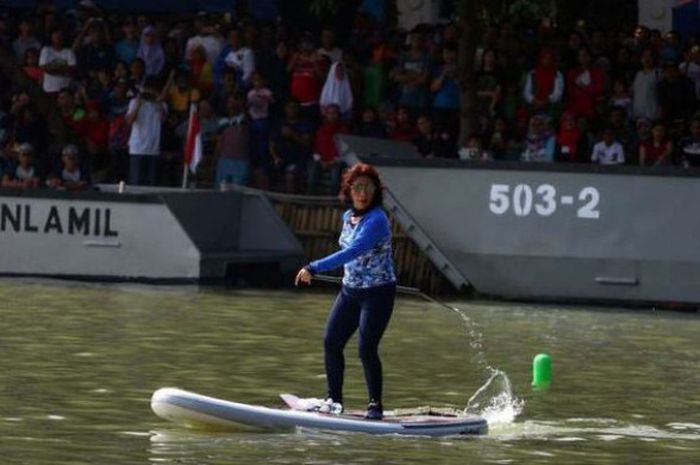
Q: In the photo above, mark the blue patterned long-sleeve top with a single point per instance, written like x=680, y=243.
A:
x=365, y=251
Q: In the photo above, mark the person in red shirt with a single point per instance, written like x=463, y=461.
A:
x=31, y=65
x=656, y=151
x=585, y=85
x=326, y=157
x=306, y=74
x=94, y=131
x=568, y=139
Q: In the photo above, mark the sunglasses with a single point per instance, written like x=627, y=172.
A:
x=366, y=188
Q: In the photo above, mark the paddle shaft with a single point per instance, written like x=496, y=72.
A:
x=402, y=289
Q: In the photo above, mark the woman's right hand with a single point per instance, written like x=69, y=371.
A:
x=303, y=277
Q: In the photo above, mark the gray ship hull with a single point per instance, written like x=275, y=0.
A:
x=613, y=235
x=546, y=231
x=155, y=235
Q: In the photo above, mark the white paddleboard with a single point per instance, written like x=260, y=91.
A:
x=192, y=409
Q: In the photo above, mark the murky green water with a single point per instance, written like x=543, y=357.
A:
x=79, y=363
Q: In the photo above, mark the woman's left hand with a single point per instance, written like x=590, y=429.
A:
x=303, y=277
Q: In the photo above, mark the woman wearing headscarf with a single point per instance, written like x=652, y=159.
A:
x=336, y=90
x=151, y=52
x=539, y=141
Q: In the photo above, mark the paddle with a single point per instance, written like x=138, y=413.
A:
x=403, y=289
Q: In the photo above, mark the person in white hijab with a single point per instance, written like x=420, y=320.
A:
x=336, y=90
x=151, y=51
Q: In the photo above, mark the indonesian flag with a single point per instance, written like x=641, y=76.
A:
x=193, y=143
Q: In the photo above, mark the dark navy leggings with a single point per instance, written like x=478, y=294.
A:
x=369, y=310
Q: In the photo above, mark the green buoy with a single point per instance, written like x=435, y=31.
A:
x=541, y=371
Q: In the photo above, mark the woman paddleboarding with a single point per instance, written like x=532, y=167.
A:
x=366, y=299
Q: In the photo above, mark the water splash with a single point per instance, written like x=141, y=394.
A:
x=495, y=400
x=474, y=336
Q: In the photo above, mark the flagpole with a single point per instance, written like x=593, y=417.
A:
x=185, y=174
x=188, y=142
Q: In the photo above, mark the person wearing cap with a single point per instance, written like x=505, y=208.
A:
x=22, y=174
x=68, y=174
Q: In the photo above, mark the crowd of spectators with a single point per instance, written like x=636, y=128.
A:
x=271, y=99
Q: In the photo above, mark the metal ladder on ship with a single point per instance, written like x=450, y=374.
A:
x=423, y=241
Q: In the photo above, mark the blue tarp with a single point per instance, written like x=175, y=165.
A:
x=686, y=18
x=142, y=5
x=264, y=10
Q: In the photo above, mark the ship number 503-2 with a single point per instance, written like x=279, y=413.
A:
x=524, y=200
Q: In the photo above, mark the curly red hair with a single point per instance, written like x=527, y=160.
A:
x=363, y=169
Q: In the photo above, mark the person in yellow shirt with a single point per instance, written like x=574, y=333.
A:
x=181, y=94
x=202, y=71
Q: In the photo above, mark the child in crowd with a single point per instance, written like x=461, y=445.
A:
x=568, y=139
x=474, y=150
x=540, y=143
x=608, y=151
x=658, y=150
x=689, y=146
x=68, y=174
x=401, y=127
x=22, y=174
x=369, y=125
x=621, y=97
x=500, y=143
x=431, y=142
